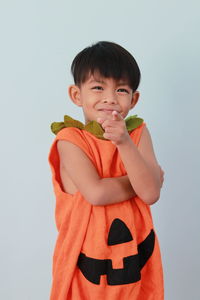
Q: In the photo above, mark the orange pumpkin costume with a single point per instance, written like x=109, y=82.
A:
x=103, y=252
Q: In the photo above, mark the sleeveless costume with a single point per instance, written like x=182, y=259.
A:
x=106, y=252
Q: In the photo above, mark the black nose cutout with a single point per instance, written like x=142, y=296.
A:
x=119, y=233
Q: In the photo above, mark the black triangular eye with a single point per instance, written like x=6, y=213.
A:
x=119, y=233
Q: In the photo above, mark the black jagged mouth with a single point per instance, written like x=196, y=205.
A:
x=93, y=268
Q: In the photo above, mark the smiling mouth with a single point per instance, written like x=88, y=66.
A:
x=93, y=268
x=108, y=110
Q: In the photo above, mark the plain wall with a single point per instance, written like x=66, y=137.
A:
x=39, y=39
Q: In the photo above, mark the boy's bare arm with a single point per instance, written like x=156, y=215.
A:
x=113, y=186
x=96, y=190
x=141, y=165
x=122, y=186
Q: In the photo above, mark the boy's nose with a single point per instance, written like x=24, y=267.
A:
x=110, y=99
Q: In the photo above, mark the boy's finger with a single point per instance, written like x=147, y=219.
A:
x=116, y=116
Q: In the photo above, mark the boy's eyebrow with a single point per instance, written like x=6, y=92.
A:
x=96, y=80
x=101, y=81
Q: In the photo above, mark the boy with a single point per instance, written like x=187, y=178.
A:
x=105, y=177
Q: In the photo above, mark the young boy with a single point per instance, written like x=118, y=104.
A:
x=105, y=177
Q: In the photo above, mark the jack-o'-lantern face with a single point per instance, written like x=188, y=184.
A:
x=119, y=233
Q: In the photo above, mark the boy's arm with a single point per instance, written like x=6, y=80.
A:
x=122, y=186
x=115, y=190
x=142, y=168
x=96, y=190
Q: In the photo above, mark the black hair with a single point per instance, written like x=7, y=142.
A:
x=110, y=60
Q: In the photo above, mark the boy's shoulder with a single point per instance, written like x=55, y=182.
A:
x=75, y=136
x=67, y=132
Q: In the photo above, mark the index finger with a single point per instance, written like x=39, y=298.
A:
x=116, y=115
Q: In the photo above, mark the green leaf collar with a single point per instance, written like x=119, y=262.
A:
x=93, y=127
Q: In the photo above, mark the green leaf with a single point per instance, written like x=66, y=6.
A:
x=57, y=126
x=133, y=122
x=95, y=128
x=70, y=122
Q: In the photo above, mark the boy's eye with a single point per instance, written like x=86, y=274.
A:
x=100, y=88
x=97, y=87
x=123, y=90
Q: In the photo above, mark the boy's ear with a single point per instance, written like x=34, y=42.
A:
x=135, y=98
x=74, y=94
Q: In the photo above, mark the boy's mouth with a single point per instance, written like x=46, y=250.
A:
x=108, y=110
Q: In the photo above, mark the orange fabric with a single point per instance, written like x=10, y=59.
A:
x=83, y=228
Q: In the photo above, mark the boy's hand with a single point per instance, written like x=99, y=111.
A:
x=115, y=129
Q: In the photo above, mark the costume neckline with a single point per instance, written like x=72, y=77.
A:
x=132, y=122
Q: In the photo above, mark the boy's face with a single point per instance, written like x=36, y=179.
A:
x=99, y=96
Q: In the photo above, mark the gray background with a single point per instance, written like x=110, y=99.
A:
x=39, y=39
